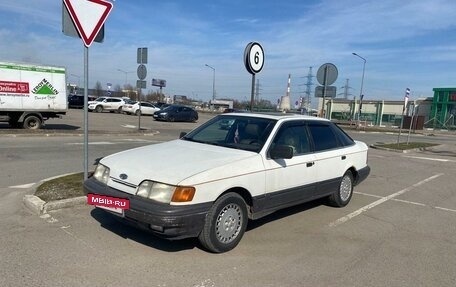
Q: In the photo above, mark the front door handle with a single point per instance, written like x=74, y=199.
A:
x=344, y=157
x=309, y=164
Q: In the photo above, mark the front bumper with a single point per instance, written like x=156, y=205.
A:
x=164, y=220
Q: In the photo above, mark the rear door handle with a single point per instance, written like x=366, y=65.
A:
x=344, y=157
x=309, y=164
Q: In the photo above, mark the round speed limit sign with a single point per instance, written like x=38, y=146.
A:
x=254, y=58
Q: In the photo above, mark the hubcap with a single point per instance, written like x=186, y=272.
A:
x=228, y=224
x=345, y=188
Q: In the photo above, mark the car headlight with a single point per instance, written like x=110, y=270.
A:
x=101, y=173
x=165, y=193
x=163, y=114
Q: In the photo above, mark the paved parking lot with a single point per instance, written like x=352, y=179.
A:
x=398, y=230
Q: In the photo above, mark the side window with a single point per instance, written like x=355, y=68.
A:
x=294, y=135
x=323, y=136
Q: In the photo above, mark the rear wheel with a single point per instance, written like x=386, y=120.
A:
x=225, y=223
x=344, y=194
x=32, y=123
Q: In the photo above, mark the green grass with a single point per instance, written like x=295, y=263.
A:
x=61, y=188
x=405, y=146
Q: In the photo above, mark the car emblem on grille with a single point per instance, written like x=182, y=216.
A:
x=123, y=176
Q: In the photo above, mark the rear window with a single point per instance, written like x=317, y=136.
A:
x=344, y=139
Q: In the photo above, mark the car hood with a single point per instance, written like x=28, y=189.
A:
x=180, y=162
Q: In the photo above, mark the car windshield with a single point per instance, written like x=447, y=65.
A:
x=238, y=132
x=100, y=99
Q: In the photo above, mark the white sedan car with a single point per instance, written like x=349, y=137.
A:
x=145, y=109
x=211, y=181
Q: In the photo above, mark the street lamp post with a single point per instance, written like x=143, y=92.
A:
x=213, y=81
x=76, y=76
x=362, y=81
x=126, y=73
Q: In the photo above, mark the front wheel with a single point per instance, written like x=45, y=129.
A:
x=225, y=223
x=138, y=112
x=99, y=109
x=344, y=194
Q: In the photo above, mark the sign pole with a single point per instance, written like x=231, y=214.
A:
x=325, y=81
x=252, y=94
x=139, y=116
x=86, y=114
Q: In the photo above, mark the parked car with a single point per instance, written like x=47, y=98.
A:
x=77, y=101
x=226, y=124
x=111, y=104
x=127, y=108
x=210, y=182
x=176, y=113
x=230, y=110
x=146, y=109
x=161, y=105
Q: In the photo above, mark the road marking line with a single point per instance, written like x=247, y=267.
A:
x=28, y=185
x=445, y=209
x=429, y=158
x=409, y=202
x=395, y=199
x=380, y=201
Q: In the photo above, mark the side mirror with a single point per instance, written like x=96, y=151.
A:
x=182, y=134
x=281, y=152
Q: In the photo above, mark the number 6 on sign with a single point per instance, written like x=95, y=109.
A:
x=253, y=58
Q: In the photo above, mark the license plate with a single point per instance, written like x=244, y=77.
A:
x=113, y=204
x=112, y=209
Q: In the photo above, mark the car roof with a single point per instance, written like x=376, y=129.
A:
x=274, y=116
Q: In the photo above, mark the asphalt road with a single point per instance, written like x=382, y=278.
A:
x=399, y=229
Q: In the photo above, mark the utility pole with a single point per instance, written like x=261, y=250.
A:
x=346, y=88
x=307, y=94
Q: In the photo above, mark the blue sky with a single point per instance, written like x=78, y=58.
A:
x=407, y=43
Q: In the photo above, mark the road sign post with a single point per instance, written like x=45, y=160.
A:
x=141, y=56
x=326, y=75
x=253, y=61
x=88, y=17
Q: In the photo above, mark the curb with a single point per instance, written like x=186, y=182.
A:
x=397, y=150
x=40, y=207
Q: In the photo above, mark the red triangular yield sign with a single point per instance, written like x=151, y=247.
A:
x=88, y=16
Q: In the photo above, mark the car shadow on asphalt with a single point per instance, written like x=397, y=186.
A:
x=126, y=230
x=285, y=213
x=60, y=127
x=45, y=129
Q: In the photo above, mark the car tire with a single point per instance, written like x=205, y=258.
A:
x=119, y=110
x=171, y=119
x=138, y=112
x=345, y=191
x=225, y=223
x=99, y=109
x=32, y=123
